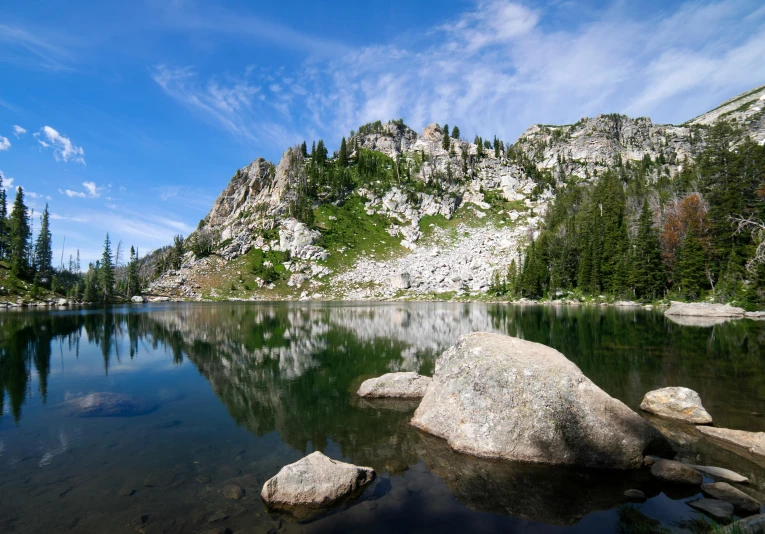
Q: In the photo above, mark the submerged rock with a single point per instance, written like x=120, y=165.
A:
x=718, y=510
x=395, y=385
x=676, y=403
x=106, y=404
x=500, y=397
x=676, y=473
x=741, y=440
x=314, y=482
x=725, y=492
x=704, y=309
x=726, y=475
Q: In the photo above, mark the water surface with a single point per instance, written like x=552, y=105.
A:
x=235, y=391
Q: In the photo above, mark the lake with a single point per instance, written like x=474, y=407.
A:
x=230, y=392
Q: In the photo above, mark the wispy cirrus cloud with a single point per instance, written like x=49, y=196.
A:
x=32, y=48
x=501, y=66
x=63, y=148
x=18, y=131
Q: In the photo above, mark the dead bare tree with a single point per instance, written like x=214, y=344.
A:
x=757, y=228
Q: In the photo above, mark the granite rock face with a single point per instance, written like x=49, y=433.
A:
x=314, y=482
x=500, y=397
x=678, y=403
x=406, y=385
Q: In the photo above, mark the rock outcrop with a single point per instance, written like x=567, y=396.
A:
x=405, y=385
x=718, y=510
x=500, y=397
x=678, y=403
x=704, y=309
x=314, y=482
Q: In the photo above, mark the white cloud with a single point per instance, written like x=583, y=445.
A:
x=63, y=148
x=91, y=191
x=18, y=131
x=91, y=188
x=5, y=144
x=72, y=194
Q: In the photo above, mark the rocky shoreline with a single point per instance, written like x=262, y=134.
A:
x=493, y=396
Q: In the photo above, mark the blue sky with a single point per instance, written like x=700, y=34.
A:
x=130, y=117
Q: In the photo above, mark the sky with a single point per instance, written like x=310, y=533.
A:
x=130, y=117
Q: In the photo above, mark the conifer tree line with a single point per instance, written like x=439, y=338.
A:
x=30, y=262
x=637, y=233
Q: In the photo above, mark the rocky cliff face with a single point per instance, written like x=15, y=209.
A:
x=497, y=202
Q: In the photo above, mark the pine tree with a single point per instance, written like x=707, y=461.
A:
x=133, y=281
x=313, y=150
x=445, y=142
x=455, y=132
x=690, y=268
x=647, y=269
x=178, y=251
x=342, y=157
x=304, y=149
x=496, y=147
x=4, y=223
x=91, y=289
x=44, y=250
x=20, y=234
x=106, y=273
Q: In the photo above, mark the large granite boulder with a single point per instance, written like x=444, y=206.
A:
x=678, y=403
x=314, y=482
x=750, y=525
x=501, y=397
x=395, y=385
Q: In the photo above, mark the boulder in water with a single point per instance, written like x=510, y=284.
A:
x=678, y=403
x=749, y=442
x=704, y=309
x=395, y=385
x=314, y=482
x=496, y=396
x=720, y=511
x=725, y=492
x=676, y=473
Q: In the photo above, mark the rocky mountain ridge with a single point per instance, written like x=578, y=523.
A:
x=487, y=203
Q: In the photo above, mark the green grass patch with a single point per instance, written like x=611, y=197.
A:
x=348, y=232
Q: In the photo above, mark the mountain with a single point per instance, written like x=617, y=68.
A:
x=398, y=213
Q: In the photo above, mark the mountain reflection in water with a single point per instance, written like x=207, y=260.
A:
x=287, y=372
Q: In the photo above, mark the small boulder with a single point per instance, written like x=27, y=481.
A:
x=401, y=281
x=676, y=473
x=726, y=475
x=395, y=385
x=314, y=482
x=720, y=511
x=496, y=396
x=725, y=492
x=634, y=495
x=678, y=403
x=138, y=299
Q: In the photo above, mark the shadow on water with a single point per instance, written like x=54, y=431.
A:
x=286, y=373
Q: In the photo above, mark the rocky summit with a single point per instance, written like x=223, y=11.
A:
x=425, y=215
